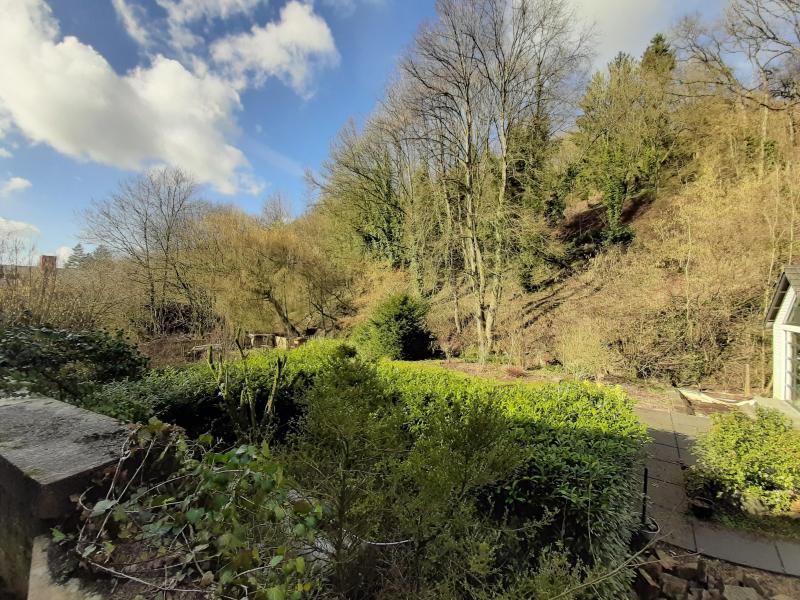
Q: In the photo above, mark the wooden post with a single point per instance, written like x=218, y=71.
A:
x=747, y=380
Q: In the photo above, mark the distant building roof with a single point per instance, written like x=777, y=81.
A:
x=789, y=278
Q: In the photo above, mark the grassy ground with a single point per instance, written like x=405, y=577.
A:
x=785, y=528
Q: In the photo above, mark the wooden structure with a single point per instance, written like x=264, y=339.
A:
x=261, y=340
x=783, y=317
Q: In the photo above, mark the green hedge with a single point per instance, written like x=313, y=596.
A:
x=563, y=459
x=582, y=447
x=63, y=363
x=188, y=395
x=749, y=464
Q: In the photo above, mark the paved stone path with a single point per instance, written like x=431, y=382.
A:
x=673, y=434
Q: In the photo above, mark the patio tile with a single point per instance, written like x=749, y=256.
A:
x=667, y=495
x=675, y=528
x=736, y=547
x=666, y=452
x=790, y=555
x=666, y=438
x=663, y=470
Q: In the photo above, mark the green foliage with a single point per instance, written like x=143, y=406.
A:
x=460, y=484
x=191, y=397
x=344, y=446
x=625, y=135
x=750, y=464
x=396, y=330
x=194, y=517
x=251, y=420
x=659, y=57
x=579, y=448
x=66, y=364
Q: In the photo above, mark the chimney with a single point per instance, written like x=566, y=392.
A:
x=47, y=264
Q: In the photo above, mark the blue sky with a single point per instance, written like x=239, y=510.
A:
x=245, y=94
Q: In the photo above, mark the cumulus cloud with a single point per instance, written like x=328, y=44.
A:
x=181, y=14
x=348, y=7
x=61, y=92
x=13, y=184
x=291, y=48
x=17, y=228
x=5, y=153
x=187, y=11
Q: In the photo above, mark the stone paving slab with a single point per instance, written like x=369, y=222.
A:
x=667, y=495
x=736, y=547
x=790, y=557
x=673, y=436
x=667, y=452
x=664, y=470
x=675, y=529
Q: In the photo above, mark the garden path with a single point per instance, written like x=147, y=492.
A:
x=669, y=455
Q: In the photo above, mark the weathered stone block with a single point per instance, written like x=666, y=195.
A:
x=48, y=451
x=687, y=570
x=734, y=592
x=673, y=587
x=646, y=587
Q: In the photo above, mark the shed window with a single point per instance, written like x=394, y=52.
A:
x=794, y=315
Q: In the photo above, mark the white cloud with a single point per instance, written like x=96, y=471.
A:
x=17, y=228
x=629, y=25
x=291, y=48
x=13, y=184
x=346, y=8
x=62, y=255
x=182, y=13
x=187, y=11
x=129, y=15
x=4, y=153
x=61, y=92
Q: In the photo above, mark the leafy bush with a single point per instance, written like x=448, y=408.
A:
x=189, y=396
x=463, y=485
x=396, y=330
x=579, y=446
x=67, y=364
x=750, y=464
x=236, y=529
x=476, y=478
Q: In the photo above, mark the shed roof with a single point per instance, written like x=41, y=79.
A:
x=789, y=278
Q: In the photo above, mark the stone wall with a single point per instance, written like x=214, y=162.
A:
x=49, y=450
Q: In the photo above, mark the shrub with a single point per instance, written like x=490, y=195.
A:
x=189, y=396
x=236, y=530
x=474, y=479
x=66, y=364
x=396, y=330
x=579, y=452
x=342, y=452
x=750, y=464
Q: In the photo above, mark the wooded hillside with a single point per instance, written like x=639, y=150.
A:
x=629, y=222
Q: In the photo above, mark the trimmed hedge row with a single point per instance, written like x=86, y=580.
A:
x=582, y=450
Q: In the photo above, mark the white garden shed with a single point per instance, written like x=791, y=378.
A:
x=784, y=318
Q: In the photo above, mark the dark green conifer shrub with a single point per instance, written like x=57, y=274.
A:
x=397, y=330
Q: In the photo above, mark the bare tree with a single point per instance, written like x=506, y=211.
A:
x=764, y=35
x=145, y=222
x=474, y=75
